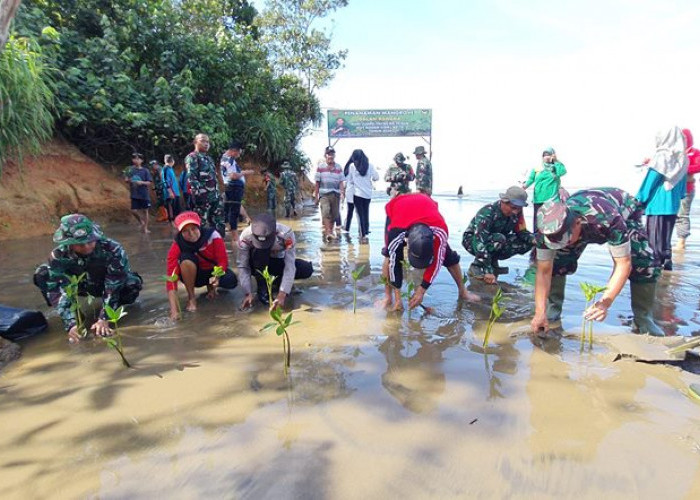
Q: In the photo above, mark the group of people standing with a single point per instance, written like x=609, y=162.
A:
x=563, y=227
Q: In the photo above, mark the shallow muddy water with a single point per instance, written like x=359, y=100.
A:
x=376, y=404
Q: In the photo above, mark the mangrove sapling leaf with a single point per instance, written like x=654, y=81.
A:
x=496, y=312
x=590, y=292
x=269, y=280
x=113, y=316
x=73, y=291
x=218, y=272
x=281, y=323
x=356, y=276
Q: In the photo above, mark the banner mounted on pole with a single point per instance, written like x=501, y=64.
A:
x=347, y=123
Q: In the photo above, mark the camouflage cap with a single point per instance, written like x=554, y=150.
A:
x=554, y=221
x=399, y=158
x=76, y=229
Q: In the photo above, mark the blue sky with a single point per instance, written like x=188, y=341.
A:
x=505, y=79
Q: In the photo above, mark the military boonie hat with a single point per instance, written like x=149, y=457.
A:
x=515, y=195
x=399, y=158
x=420, y=246
x=264, y=229
x=554, y=221
x=76, y=229
x=420, y=150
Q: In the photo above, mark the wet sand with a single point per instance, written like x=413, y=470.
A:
x=376, y=405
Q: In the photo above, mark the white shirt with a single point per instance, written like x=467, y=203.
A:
x=363, y=184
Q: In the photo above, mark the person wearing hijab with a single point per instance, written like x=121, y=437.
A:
x=360, y=174
x=547, y=180
x=683, y=220
x=662, y=190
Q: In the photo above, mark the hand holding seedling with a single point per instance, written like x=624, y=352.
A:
x=598, y=311
x=101, y=328
x=279, y=300
x=417, y=298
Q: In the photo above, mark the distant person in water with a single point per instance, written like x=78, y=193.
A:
x=424, y=172
x=139, y=180
x=683, y=220
x=460, y=192
x=497, y=232
x=83, y=250
x=362, y=174
x=413, y=221
x=399, y=175
x=192, y=257
x=172, y=188
x=268, y=244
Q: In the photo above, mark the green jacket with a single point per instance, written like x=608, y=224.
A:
x=547, y=181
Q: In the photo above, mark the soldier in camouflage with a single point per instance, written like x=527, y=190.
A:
x=288, y=180
x=424, y=172
x=83, y=249
x=603, y=215
x=498, y=232
x=204, y=184
x=399, y=175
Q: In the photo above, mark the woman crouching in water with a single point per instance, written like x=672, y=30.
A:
x=192, y=257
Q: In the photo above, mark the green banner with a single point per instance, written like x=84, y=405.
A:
x=344, y=123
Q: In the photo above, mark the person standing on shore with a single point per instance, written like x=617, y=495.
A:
x=662, y=190
x=172, y=188
x=497, y=232
x=361, y=173
x=271, y=191
x=424, y=172
x=204, y=182
x=683, y=220
x=399, y=175
x=268, y=244
x=329, y=186
x=413, y=220
x=602, y=215
x=547, y=181
x=139, y=179
x=234, y=181
x=84, y=251
x=288, y=179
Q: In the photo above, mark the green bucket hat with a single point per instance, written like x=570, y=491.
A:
x=420, y=150
x=76, y=229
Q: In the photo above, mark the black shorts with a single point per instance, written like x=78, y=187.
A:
x=137, y=204
x=234, y=197
x=451, y=257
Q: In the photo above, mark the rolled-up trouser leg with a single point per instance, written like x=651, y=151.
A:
x=643, y=295
x=555, y=301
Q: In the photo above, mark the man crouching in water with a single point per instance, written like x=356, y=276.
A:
x=84, y=251
x=413, y=220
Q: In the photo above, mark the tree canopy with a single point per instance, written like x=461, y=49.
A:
x=148, y=75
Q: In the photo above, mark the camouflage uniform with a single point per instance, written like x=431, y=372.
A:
x=288, y=179
x=271, y=190
x=107, y=270
x=608, y=215
x=611, y=216
x=399, y=175
x=158, y=185
x=492, y=236
x=424, y=176
x=204, y=184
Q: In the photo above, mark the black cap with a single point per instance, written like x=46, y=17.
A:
x=137, y=155
x=420, y=246
x=330, y=149
x=264, y=229
x=235, y=145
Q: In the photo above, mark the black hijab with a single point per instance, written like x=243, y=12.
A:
x=360, y=160
x=188, y=247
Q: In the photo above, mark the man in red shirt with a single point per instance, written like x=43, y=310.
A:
x=413, y=220
x=683, y=220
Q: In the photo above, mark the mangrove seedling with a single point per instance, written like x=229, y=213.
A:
x=72, y=291
x=408, y=293
x=269, y=280
x=589, y=292
x=496, y=312
x=282, y=323
x=113, y=316
x=355, y=276
x=218, y=272
x=410, y=287
x=173, y=278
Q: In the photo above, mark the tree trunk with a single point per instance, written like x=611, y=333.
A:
x=8, y=8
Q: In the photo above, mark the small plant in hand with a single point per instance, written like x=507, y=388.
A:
x=72, y=291
x=113, y=316
x=589, y=292
x=173, y=278
x=218, y=272
x=355, y=276
x=496, y=312
x=384, y=281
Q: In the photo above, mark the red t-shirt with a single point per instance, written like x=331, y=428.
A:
x=212, y=253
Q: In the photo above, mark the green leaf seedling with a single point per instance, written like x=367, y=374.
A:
x=173, y=278
x=113, y=316
x=496, y=312
x=589, y=292
x=355, y=276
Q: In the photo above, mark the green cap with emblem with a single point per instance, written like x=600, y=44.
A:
x=554, y=221
x=76, y=229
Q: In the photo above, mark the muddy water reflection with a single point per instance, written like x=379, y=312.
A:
x=377, y=405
